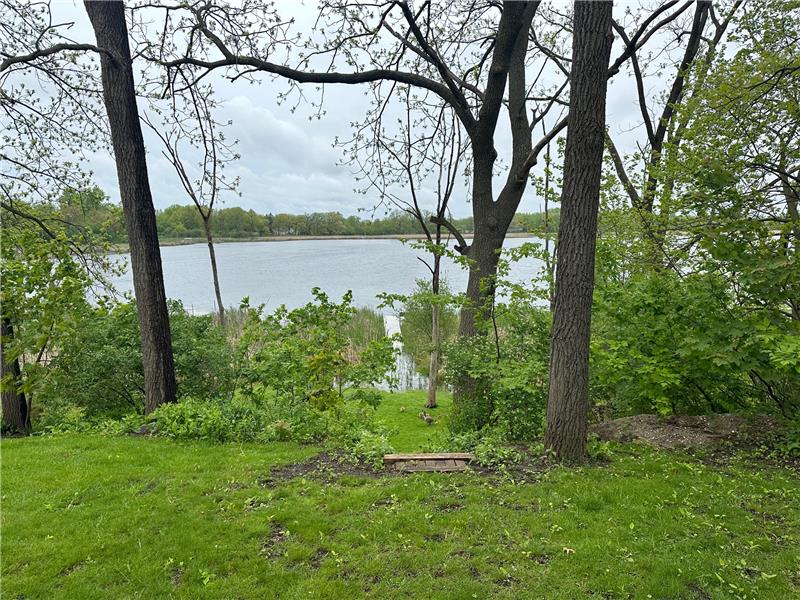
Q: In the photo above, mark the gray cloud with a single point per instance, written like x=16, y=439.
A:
x=287, y=161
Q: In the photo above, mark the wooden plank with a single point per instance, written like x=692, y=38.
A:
x=393, y=458
x=415, y=468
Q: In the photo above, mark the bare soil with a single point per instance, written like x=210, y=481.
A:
x=684, y=431
x=325, y=466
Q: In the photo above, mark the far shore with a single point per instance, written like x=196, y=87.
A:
x=123, y=248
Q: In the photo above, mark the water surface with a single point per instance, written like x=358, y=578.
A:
x=275, y=273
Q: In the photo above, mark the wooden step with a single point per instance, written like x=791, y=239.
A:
x=444, y=461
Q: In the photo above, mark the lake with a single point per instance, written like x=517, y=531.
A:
x=275, y=273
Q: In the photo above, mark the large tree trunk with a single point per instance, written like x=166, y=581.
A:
x=433, y=367
x=16, y=416
x=470, y=401
x=108, y=21
x=484, y=254
x=568, y=400
x=214, y=273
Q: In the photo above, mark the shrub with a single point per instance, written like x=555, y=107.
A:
x=265, y=418
x=669, y=344
x=509, y=393
x=490, y=447
x=99, y=368
x=371, y=447
x=303, y=355
x=232, y=421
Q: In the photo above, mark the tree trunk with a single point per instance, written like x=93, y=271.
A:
x=119, y=95
x=548, y=258
x=469, y=394
x=792, y=197
x=16, y=416
x=484, y=254
x=433, y=369
x=568, y=400
x=214, y=273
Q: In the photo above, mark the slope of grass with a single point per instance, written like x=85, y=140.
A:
x=128, y=517
x=409, y=433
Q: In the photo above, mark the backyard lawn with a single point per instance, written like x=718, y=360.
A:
x=86, y=516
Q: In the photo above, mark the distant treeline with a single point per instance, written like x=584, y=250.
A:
x=91, y=210
x=184, y=222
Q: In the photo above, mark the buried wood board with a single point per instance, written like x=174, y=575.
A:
x=446, y=461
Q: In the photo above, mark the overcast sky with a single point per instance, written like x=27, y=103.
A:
x=288, y=163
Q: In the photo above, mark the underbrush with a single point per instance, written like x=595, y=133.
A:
x=350, y=426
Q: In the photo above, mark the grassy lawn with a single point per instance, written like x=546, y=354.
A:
x=409, y=433
x=126, y=517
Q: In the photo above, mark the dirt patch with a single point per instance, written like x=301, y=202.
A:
x=450, y=507
x=681, y=432
x=147, y=488
x=270, y=546
x=528, y=470
x=316, y=560
x=698, y=592
x=325, y=465
x=71, y=569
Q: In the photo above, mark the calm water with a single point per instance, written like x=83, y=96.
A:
x=276, y=273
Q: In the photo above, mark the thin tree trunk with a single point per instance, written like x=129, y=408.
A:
x=549, y=260
x=214, y=273
x=790, y=193
x=119, y=95
x=568, y=400
x=433, y=368
x=16, y=416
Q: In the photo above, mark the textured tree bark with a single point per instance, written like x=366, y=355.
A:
x=214, y=273
x=15, y=405
x=119, y=95
x=492, y=216
x=568, y=400
x=484, y=254
x=433, y=367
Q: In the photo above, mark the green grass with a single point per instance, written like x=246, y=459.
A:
x=409, y=433
x=126, y=517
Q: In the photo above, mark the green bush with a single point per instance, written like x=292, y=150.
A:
x=99, y=368
x=351, y=427
x=490, y=447
x=509, y=393
x=231, y=421
x=304, y=355
x=371, y=447
x=680, y=345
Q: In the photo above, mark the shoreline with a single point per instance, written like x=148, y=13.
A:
x=123, y=248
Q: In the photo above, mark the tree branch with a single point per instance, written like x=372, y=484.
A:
x=55, y=49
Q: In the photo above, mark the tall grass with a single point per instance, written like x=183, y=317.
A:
x=364, y=327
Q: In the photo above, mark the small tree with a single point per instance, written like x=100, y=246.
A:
x=189, y=121
x=49, y=269
x=423, y=159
